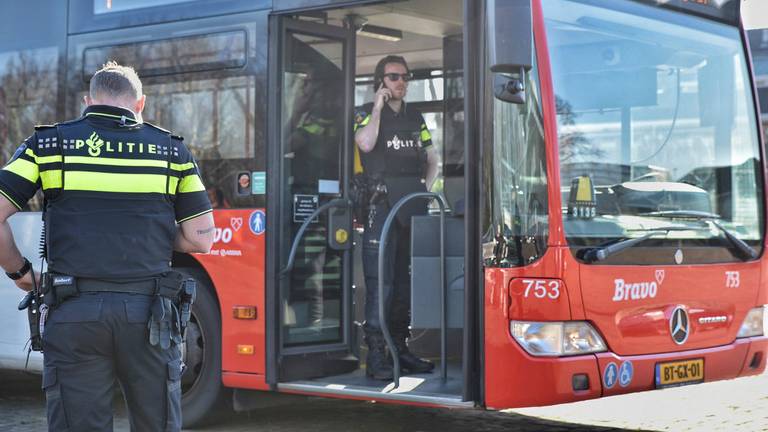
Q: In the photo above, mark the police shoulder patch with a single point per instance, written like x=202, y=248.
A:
x=360, y=115
x=19, y=151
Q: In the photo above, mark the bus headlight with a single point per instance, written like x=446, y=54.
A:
x=559, y=338
x=754, y=323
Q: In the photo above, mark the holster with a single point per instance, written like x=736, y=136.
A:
x=171, y=309
x=187, y=298
x=58, y=287
x=31, y=302
x=359, y=194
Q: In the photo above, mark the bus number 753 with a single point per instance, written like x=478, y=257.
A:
x=542, y=288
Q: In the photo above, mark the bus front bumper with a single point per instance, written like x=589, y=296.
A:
x=519, y=380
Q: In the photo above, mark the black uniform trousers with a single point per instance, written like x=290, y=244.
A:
x=397, y=283
x=97, y=338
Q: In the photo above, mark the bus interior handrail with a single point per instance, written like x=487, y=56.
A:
x=443, y=303
x=338, y=202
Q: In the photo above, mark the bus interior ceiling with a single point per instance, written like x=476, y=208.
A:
x=428, y=34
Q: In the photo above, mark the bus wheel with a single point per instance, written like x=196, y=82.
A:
x=203, y=397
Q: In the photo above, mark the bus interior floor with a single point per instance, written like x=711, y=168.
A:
x=424, y=384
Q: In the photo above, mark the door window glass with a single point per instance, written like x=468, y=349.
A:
x=312, y=134
x=516, y=180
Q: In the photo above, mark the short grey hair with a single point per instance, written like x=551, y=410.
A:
x=116, y=82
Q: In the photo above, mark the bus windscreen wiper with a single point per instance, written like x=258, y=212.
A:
x=600, y=253
x=745, y=251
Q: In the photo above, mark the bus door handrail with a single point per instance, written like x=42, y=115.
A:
x=443, y=303
x=337, y=202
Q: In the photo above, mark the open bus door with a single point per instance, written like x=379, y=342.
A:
x=313, y=266
x=312, y=142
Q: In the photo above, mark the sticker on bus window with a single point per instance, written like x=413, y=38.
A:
x=243, y=186
x=258, y=222
x=259, y=182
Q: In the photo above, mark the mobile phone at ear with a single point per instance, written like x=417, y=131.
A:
x=386, y=97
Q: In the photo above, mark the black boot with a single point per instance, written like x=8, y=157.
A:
x=409, y=363
x=378, y=364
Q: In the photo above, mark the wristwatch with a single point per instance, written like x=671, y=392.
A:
x=22, y=271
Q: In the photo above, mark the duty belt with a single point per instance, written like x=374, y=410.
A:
x=146, y=287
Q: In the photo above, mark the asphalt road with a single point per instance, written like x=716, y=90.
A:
x=738, y=405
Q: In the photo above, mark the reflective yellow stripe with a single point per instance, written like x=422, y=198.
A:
x=172, y=185
x=128, y=162
x=9, y=199
x=365, y=121
x=116, y=162
x=47, y=159
x=51, y=179
x=182, y=167
x=23, y=168
x=194, y=216
x=43, y=159
x=313, y=129
x=425, y=135
x=191, y=183
x=358, y=163
x=113, y=182
x=110, y=161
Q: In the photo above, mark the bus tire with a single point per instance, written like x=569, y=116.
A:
x=203, y=397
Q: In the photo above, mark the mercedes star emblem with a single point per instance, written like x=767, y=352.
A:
x=679, y=326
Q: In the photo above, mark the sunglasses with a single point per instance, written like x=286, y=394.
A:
x=395, y=77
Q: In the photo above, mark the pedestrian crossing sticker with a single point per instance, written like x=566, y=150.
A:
x=610, y=375
x=258, y=222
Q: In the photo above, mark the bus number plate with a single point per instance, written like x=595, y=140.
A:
x=671, y=374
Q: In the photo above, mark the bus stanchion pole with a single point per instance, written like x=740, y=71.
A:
x=382, y=300
x=443, y=295
x=300, y=233
x=443, y=302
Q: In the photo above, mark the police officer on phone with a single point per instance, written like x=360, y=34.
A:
x=396, y=153
x=119, y=196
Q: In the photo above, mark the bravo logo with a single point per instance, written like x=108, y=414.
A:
x=625, y=291
x=224, y=235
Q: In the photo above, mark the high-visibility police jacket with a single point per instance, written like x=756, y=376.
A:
x=399, y=157
x=114, y=190
x=400, y=149
x=315, y=143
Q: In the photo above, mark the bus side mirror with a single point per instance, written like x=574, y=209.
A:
x=510, y=42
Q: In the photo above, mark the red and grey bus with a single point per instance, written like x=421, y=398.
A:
x=597, y=228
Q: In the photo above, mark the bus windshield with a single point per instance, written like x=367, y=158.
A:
x=656, y=122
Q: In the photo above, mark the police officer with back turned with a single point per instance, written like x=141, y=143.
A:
x=119, y=196
x=396, y=154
